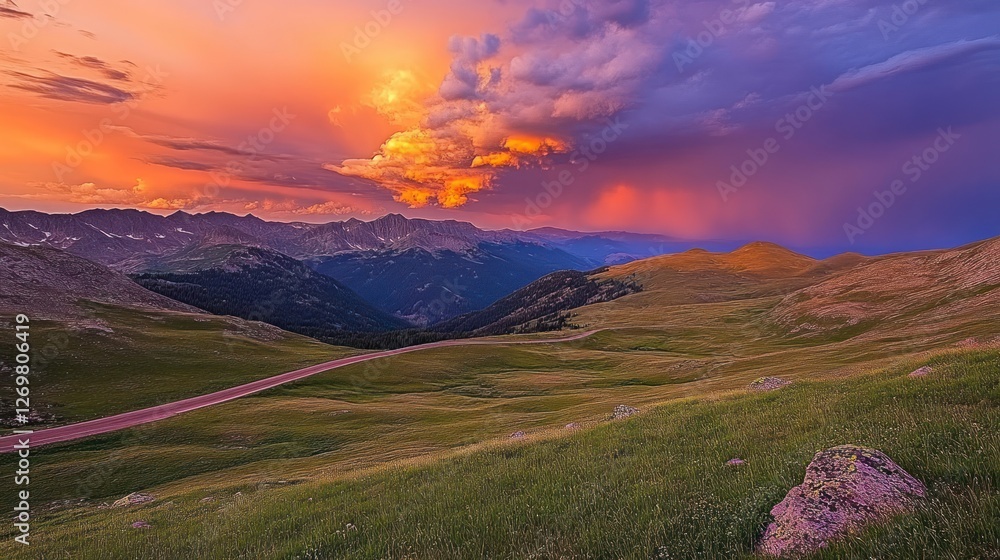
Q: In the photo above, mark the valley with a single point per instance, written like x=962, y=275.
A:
x=420, y=271
x=507, y=280
x=505, y=449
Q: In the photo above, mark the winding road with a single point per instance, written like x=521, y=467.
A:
x=152, y=414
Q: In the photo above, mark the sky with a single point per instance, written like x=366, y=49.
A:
x=863, y=125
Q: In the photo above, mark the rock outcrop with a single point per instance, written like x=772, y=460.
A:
x=133, y=499
x=846, y=488
x=623, y=411
x=768, y=384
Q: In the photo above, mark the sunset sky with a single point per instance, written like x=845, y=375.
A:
x=591, y=115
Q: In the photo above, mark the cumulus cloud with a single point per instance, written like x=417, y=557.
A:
x=579, y=19
x=293, y=207
x=138, y=195
x=328, y=209
x=508, y=109
x=496, y=111
x=142, y=195
x=468, y=78
x=399, y=98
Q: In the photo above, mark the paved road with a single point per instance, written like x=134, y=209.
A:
x=147, y=415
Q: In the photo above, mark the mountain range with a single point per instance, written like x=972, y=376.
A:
x=128, y=239
x=422, y=271
x=840, y=296
x=264, y=285
x=54, y=285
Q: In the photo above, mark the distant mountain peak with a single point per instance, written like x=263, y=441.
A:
x=764, y=247
x=127, y=239
x=52, y=284
x=760, y=258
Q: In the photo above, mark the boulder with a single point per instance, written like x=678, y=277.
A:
x=133, y=499
x=622, y=411
x=922, y=372
x=846, y=488
x=768, y=384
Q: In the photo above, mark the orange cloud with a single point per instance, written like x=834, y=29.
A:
x=423, y=166
x=496, y=159
x=400, y=97
x=448, y=164
x=456, y=190
x=329, y=208
x=455, y=141
x=534, y=146
x=139, y=195
x=445, y=165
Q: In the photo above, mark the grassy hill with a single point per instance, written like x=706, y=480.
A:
x=654, y=486
x=124, y=359
x=50, y=284
x=929, y=286
x=540, y=306
x=103, y=344
x=410, y=457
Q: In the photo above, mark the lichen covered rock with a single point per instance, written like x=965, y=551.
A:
x=133, y=499
x=623, y=411
x=768, y=384
x=846, y=488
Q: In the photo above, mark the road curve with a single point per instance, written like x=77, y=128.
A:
x=152, y=414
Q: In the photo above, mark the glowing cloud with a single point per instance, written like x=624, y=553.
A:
x=139, y=195
x=475, y=126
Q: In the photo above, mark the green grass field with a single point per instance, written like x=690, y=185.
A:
x=138, y=359
x=408, y=457
x=653, y=486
